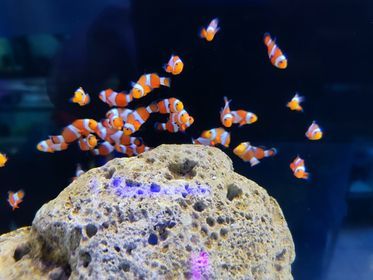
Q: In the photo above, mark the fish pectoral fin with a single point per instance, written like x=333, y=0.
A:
x=243, y=122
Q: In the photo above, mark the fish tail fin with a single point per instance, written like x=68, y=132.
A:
x=202, y=33
x=165, y=82
x=272, y=152
x=307, y=176
x=266, y=38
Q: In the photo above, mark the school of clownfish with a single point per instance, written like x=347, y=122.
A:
x=115, y=132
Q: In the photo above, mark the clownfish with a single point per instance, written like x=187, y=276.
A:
x=209, y=32
x=117, y=116
x=125, y=149
x=48, y=146
x=136, y=119
x=75, y=130
x=80, y=97
x=147, y=83
x=104, y=129
x=217, y=136
x=87, y=143
x=15, y=199
x=3, y=159
x=141, y=149
x=314, y=132
x=174, y=66
x=298, y=168
x=252, y=154
x=243, y=117
x=113, y=98
x=294, y=103
x=202, y=141
x=173, y=127
x=103, y=149
x=275, y=54
x=168, y=126
x=226, y=117
x=180, y=118
x=168, y=105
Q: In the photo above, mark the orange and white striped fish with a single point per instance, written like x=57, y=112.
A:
x=275, y=54
x=15, y=198
x=87, y=143
x=3, y=159
x=217, y=136
x=118, y=137
x=104, y=130
x=168, y=126
x=169, y=105
x=128, y=150
x=48, y=146
x=103, y=149
x=174, y=66
x=173, y=127
x=117, y=116
x=113, y=98
x=132, y=125
x=75, y=130
x=202, y=141
x=299, y=169
x=314, y=132
x=180, y=118
x=294, y=103
x=243, y=117
x=226, y=117
x=209, y=32
x=252, y=154
x=141, y=149
x=80, y=97
x=147, y=83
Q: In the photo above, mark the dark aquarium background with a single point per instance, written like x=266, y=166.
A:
x=50, y=48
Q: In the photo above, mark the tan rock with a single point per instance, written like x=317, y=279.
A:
x=148, y=217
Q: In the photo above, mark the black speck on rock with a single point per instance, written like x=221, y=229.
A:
x=155, y=187
x=233, y=192
x=90, y=230
x=125, y=266
x=199, y=206
x=153, y=239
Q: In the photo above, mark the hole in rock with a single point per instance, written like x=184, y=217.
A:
x=153, y=239
x=210, y=221
x=85, y=258
x=90, y=230
x=183, y=169
x=199, y=206
x=125, y=266
x=110, y=173
x=21, y=251
x=233, y=192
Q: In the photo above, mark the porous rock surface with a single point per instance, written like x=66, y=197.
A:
x=149, y=217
